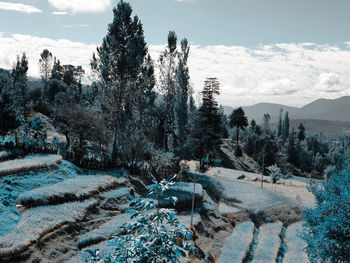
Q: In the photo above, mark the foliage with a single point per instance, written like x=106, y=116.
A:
x=274, y=173
x=327, y=231
x=238, y=120
x=154, y=235
x=206, y=134
x=238, y=151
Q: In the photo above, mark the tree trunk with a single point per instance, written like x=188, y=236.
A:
x=237, y=134
x=114, y=151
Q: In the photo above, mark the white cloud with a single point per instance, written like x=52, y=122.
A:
x=59, y=13
x=19, y=7
x=185, y=1
x=292, y=74
x=76, y=26
x=81, y=6
x=330, y=83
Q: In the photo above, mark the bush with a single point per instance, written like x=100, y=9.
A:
x=328, y=226
x=155, y=235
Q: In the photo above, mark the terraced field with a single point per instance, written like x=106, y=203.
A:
x=264, y=244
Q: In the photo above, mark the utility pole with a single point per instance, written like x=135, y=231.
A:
x=263, y=167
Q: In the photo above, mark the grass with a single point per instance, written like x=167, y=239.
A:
x=295, y=245
x=31, y=162
x=237, y=245
x=269, y=243
x=39, y=221
x=73, y=189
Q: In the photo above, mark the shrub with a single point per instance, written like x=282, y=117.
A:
x=327, y=230
x=154, y=236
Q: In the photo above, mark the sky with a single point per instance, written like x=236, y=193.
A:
x=289, y=52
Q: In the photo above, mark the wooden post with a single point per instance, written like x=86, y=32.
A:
x=193, y=194
x=263, y=168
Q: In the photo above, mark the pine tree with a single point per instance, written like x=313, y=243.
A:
x=301, y=133
x=118, y=64
x=238, y=120
x=206, y=135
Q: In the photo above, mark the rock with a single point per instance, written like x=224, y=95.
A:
x=183, y=193
x=241, y=177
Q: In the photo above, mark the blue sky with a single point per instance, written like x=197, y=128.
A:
x=290, y=52
x=204, y=22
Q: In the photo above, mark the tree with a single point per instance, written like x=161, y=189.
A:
x=19, y=92
x=168, y=79
x=285, y=126
x=182, y=93
x=57, y=70
x=301, y=133
x=238, y=120
x=327, y=231
x=252, y=125
x=118, y=65
x=292, y=150
x=267, y=119
x=45, y=65
x=224, y=122
x=280, y=128
x=206, y=134
x=238, y=151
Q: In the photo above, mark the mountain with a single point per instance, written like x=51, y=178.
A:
x=257, y=111
x=325, y=109
x=321, y=109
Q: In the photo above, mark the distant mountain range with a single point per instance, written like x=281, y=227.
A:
x=330, y=116
x=321, y=109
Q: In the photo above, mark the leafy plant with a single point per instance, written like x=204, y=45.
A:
x=154, y=235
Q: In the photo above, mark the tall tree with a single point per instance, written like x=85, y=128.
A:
x=45, y=65
x=280, y=129
x=169, y=85
x=118, y=64
x=206, y=135
x=182, y=93
x=286, y=126
x=266, y=123
x=19, y=92
x=238, y=120
x=301, y=132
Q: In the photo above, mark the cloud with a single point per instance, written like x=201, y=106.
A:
x=330, y=83
x=76, y=26
x=185, y=1
x=68, y=52
x=59, y=13
x=19, y=7
x=81, y=6
x=291, y=74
